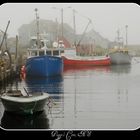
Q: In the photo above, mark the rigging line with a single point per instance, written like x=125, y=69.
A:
x=4, y=34
x=50, y=107
x=82, y=15
x=92, y=25
x=84, y=32
x=86, y=18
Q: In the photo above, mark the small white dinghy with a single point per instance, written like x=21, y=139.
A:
x=17, y=102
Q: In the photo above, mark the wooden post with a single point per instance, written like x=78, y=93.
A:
x=16, y=55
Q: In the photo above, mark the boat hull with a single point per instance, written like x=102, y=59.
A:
x=120, y=58
x=15, y=121
x=24, y=105
x=44, y=66
x=86, y=62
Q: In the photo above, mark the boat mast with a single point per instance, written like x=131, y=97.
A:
x=118, y=38
x=126, y=27
x=62, y=23
x=56, y=30
x=74, y=27
x=37, y=23
x=83, y=33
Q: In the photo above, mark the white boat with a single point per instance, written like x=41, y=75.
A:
x=17, y=103
x=120, y=57
x=119, y=53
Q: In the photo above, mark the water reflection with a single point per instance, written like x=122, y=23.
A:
x=91, y=98
x=120, y=69
x=36, y=121
x=95, y=68
x=52, y=85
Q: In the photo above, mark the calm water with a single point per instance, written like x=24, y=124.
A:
x=97, y=98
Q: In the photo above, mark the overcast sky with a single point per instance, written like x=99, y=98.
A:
x=106, y=17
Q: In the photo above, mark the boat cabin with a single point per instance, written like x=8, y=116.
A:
x=54, y=49
x=43, y=49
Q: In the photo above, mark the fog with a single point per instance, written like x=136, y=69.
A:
x=107, y=18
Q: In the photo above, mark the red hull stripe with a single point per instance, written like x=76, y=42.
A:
x=100, y=62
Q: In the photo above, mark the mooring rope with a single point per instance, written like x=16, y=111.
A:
x=50, y=102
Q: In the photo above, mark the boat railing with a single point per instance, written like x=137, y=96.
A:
x=125, y=50
x=53, y=51
x=48, y=51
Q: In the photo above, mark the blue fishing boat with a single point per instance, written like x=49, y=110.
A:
x=39, y=63
x=43, y=60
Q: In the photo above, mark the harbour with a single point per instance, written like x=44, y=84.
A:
x=98, y=98
x=54, y=75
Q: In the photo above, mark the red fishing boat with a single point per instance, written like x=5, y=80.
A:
x=86, y=61
x=72, y=60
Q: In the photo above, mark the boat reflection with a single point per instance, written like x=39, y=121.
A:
x=35, y=121
x=120, y=69
x=51, y=85
x=86, y=68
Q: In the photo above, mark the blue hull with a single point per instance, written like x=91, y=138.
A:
x=43, y=66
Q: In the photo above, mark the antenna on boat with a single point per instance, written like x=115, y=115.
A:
x=118, y=35
x=37, y=23
x=126, y=27
x=119, y=39
x=74, y=26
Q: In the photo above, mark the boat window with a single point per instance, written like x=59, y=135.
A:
x=55, y=52
x=33, y=53
x=41, y=53
x=62, y=51
x=42, y=44
x=48, y=52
